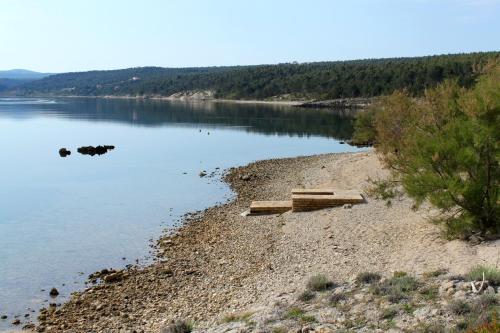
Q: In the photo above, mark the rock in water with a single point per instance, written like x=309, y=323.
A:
x=54, y=292
x=99, y=150
x=63, y=152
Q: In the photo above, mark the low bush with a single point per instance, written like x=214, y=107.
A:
x=395, y=289
x=460, y=307
x=491, y=274
x=368, y=277
x=319, y=283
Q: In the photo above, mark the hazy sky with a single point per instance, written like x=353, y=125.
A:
x=76, y=35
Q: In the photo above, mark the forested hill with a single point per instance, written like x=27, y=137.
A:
x=322, y=80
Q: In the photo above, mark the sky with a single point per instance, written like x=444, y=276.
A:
x=77, y=35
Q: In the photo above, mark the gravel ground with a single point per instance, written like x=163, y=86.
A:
x=221, y=263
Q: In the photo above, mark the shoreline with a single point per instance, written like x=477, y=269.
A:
x=177, y=99
x=219, y=262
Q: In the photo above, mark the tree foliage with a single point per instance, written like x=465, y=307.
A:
x=445, y=149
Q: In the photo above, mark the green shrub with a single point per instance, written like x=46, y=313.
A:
x=396, y=288
x=368, y=277
x=444, y=149
x=491, y=274
x=319, y=283
x=364, y=126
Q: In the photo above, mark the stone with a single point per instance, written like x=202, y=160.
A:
x=463, y=286
x=202, y=174
x=347, y=206
x=475, y=240
x=54, y=292
x=445, y=286
x=16, y=322
x=63, y=152
x=422, y=313
x=246, y=177
x=460, y=294
x=490, y=290
x=3, y=317
x=113, y=277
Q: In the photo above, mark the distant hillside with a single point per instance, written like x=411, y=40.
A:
x=322, y=80
x=13, y=78
x=22, y=74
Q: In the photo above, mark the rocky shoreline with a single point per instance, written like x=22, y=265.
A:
x=220, y=263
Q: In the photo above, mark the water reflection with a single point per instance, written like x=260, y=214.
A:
x=266, y=119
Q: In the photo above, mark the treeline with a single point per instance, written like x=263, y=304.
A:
x=320, y=80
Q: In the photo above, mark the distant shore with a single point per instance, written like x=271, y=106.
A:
x=341, y=103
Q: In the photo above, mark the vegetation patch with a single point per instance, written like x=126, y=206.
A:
x=429, y=293
x=245, y=316
x=368, y=277
x=396, y=288
x=491, y=274
x=300, y=315
x=443, y=149
x=319, y=283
